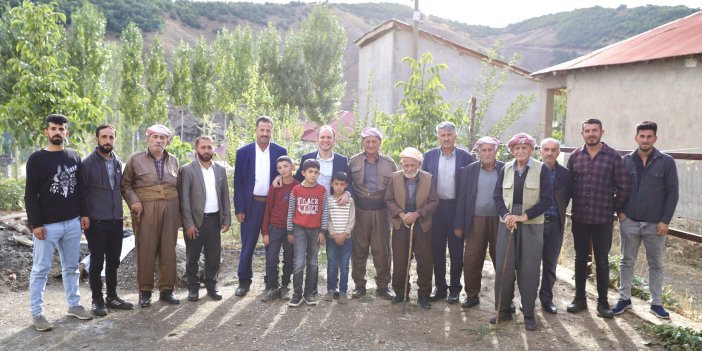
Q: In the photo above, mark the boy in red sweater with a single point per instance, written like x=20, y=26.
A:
x=274, y=232
x=308, y=213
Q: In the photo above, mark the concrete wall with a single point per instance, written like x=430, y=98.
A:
x=384, y=57
x=668, y=93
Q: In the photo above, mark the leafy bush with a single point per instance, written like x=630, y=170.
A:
x=676, y=338
x=11, y=194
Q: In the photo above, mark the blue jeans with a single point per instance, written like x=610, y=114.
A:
x=338, y=262
x=306, y=248
x=64, y=236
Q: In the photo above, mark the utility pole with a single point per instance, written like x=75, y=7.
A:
x=415, y=30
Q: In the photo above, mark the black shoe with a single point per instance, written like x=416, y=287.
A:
x=549, y=307
x=384, y=293
x=243, y=288
x=530, y=324
x=214, y=293
x=193, y=294
x=358, y=292
x=470, y=302
x=424, y=302
x=437, y=294
x=398, y=298
x=99, y=308
x=453, y=297
x=503, y=318
x=604, y=311
x=577, y=306
x=168, y=296
x=119, y=304
x=145, y=299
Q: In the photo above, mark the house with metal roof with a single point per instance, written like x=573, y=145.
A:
x=380, y=66
x=656, y=76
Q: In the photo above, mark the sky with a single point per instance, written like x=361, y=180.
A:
x=496, y=13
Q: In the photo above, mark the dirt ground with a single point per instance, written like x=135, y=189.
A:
x=368, y=323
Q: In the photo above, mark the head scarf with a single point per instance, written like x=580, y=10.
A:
x=370, y=131
x=412, y=153
x=521, y=138
x=159, y=129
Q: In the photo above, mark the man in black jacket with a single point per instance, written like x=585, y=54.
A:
x=102, y=174
x=554, y=220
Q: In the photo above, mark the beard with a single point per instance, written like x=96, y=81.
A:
x=105, y=149
x=410, y=175
x=204, y=157
x=56, y=140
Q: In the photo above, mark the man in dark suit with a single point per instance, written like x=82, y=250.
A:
x=444, y=163
x=254, y=170
x=204, y=206
x=554, y=221
x=476, y=218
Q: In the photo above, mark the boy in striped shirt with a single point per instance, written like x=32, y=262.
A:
x=341, y=222
x=308, y=214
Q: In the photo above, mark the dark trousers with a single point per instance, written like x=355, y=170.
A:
x=601, y=237
x=306, y=246
x=482, y=233
x=105, y=244
x=250, y=231
x=553, y=240
x=209, y=239
x=442, y=234
x=277, y=238
x=421, y=248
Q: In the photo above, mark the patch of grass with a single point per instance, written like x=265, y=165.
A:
x=676, y=338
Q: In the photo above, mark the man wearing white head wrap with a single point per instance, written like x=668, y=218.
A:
x=411, y=199
x=149, y=187
x=370, y=174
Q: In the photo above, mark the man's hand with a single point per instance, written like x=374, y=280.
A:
x=277, y=182
x=240, y=217
x=344, y=199
x=290, y=238
x=340, y=238
x=192, y=232
x=458, y=233
x=266, y=240
x=410, y=218
x=662, y=229
x=225, y=228
x=136, y=210
x=39, y=233
x=84, y=223
x=321, y=238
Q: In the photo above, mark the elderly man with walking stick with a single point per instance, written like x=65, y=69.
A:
x=411, y=199
x=522, y=195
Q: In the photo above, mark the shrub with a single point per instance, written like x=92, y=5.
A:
x=11, y=194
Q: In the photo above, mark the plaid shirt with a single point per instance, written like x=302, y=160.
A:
x=600, y=185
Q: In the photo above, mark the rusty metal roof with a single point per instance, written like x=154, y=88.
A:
x=682, y=37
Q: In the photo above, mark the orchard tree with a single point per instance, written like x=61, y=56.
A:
x=132, y=96
x=181, y=81
x=268, y=45
x=156, y=79
x=203, y=89
x=292, y=81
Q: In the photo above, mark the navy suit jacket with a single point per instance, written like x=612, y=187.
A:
x=245, y=173
x=431, y=164
x=339, y=163
x=467, y=191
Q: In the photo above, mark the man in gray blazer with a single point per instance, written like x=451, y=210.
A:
x=204, y=206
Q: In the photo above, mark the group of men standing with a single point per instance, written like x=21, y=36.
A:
x=516, y=209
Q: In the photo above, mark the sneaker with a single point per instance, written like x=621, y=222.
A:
x=329, y=297
x=621, y=306
x=659, y=311
x=343, y=298
x=118, y=304
x=295, y=300
x=311, y=300
x=99, y=309
x=270, y=295
x=40, y=323
x=285, y=293
x=79, y=312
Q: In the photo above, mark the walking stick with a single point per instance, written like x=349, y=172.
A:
x=502, y=276
x=409, y=263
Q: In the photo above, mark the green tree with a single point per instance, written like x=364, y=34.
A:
x=421, y=108
x=156, y=80
x=292, y=81
x=132, y=95
x=43, y=81
x=181, y=82
x=268, y=45
x=324, y=42
x=203, y=89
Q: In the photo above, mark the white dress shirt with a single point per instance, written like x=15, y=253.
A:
x=263, y=171
x=211, y=203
